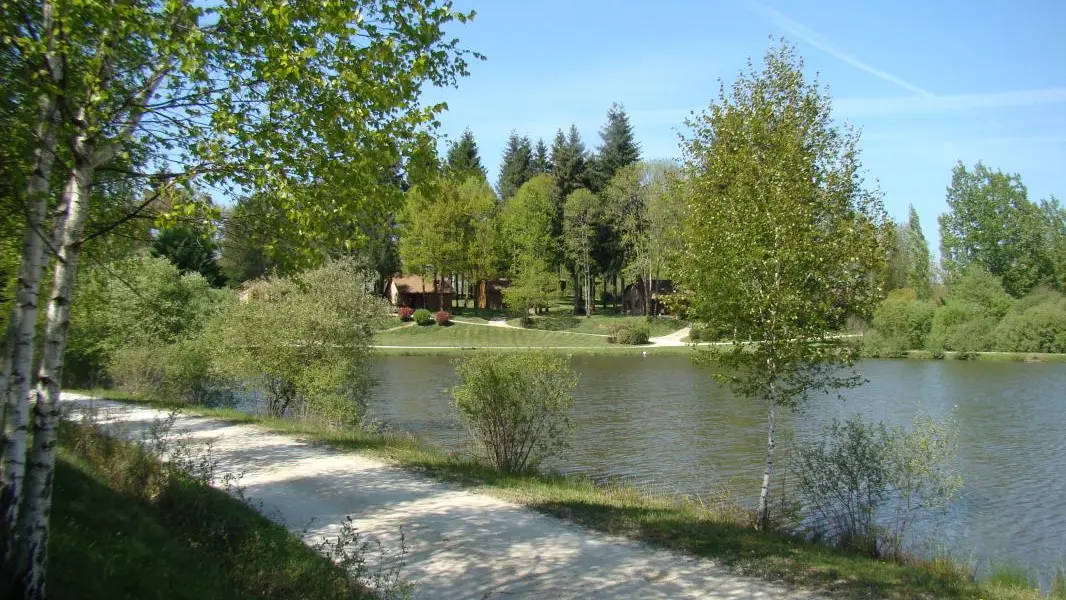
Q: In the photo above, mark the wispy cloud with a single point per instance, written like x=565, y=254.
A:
x=801, y=31
x=856, y=107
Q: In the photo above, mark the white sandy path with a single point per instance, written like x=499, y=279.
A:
x=463, y=545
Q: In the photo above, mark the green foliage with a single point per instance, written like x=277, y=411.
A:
x=780, y=236
x=629, y=334
x=305, y=341
x=702, y=332
x=644, y=206
x=463, y=159
x=516, y=406
x=618, y=148
x=569, y=170
x=517, y=166
x=901, y=323
x=919, y=272
x=1037, y=323
x=191, y=251
x=441, y=223
x=423, y=317
x=582, y=218
x=968, y=319
x=991, y=223
x=137, y=302
x=858, y=472
x=541, y=159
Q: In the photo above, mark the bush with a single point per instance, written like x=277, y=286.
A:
x=181, y=372
x=901, y=323
x=516, y=406
x=442, y=317
x=405, y=313
x=703, y=332
x=140, y=302
x=968, y=319
x=423, y=317
x=306, y=343
x=858, y=473
x=1037, y=324
x=629, y=334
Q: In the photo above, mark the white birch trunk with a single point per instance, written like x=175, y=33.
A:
x=762, y=515
x=22, y=327
x=33, y=538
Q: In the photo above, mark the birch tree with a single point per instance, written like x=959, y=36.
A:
x=218, y=91
x=581, y=219
x=780, y=238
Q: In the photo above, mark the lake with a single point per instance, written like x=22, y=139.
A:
x=662, y=424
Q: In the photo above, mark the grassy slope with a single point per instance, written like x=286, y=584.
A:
x=600, y=324
x=666, y=522
x=191, y=541
x=460, y=334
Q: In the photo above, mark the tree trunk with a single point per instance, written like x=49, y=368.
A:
x=19, y=339
x=762, y=515
x=33, y=538
x=604, y=299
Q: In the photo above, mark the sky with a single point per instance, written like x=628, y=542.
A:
x=928, y=83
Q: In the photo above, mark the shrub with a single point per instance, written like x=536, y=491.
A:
x=139, y=301
x=405, y=313
x=442, y=317
x=968, y=319
x=900, y=323
x=515, y=405
x=628, y=333
x=1037, y=324
x=306, y=344
x=857, y=472
x=703, y=332
x=181, y=372
x=423, y=317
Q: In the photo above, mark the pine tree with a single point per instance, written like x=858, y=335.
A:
x=618, y=148
x=569, y=162
x=463, y=158
x=516, y=167
x=541, y=159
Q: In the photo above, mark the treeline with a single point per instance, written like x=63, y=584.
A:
x=1000, y=283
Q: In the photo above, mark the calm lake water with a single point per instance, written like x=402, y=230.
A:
x=663, y=424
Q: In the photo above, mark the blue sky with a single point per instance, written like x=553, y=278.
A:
x=928, y=82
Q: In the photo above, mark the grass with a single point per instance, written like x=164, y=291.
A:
x=479, y=336
x=719, y=532
x=119, y=531
x=600, y=324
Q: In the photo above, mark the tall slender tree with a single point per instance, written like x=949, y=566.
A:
x=224, y=89
x=780, y=238
x=517, y=167
x=919, y=272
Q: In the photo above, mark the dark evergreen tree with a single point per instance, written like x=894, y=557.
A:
x=569, y=161
x=516, y=167
x=463, y=158
x=618, y=148
x=190, y=247
x=541, y=159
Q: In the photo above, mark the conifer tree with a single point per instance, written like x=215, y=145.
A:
x=463, y=158
x=516, y=168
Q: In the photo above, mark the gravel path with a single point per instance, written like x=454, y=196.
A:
x=462, y=545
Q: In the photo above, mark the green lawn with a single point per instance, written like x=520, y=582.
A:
x=112, y=538
x=481, y=336
x=716, y=530
x=600, y=324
